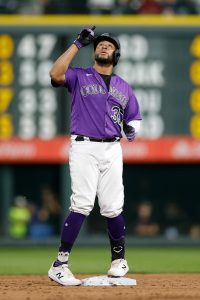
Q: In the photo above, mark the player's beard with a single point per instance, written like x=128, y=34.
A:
x=104, y=60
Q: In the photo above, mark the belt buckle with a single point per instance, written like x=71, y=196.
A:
x=79, y=138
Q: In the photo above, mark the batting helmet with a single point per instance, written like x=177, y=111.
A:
x=110, y=38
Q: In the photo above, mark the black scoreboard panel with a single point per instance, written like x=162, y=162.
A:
x=29, y=105
x=164, y=70
x=161, y=64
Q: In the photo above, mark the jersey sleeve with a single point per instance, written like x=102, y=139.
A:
x=132, y=110
x=70, y=78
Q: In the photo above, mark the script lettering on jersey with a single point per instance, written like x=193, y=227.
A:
x=92, y=89
x=119, y=96
x=117, y=115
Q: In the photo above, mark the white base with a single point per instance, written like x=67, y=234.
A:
x=107, y=281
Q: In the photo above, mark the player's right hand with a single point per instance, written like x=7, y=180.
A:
x=85, y=37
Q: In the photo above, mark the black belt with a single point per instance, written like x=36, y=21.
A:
x=80, y=138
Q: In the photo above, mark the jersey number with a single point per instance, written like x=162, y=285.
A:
x=117, y=115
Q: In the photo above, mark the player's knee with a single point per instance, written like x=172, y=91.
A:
x=111, y=214
x=81, y=210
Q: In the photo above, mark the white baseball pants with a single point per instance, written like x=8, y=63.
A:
x=96, y=170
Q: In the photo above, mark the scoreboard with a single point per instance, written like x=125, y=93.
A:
x=160, y=59
x=28, y=104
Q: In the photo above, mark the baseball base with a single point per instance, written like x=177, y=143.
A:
x=107, y=281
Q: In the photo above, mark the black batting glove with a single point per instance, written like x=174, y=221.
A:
x=85, y=37
x=129, y=132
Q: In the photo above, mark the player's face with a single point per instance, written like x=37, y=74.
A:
x=104, y=53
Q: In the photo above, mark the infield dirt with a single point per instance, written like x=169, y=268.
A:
x=149, y=287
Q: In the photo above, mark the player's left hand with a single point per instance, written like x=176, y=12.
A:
x=85, y=37
x=129, y=131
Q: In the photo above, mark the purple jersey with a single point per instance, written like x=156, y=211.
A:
x=95, y=111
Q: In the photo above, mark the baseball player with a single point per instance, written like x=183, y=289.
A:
x=103, y=107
